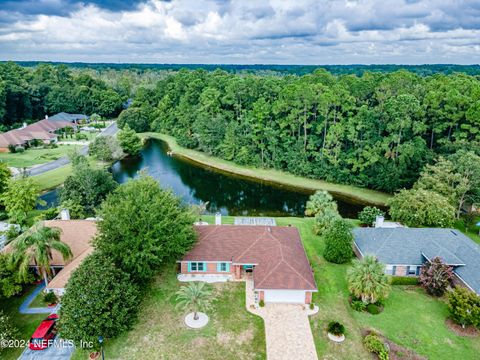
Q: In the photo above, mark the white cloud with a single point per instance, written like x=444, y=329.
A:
x=244, y=31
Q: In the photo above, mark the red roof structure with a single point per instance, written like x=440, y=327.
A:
x=277, y=253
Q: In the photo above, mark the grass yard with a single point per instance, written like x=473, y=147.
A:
x=26, y=324
x=38, y=156
x=232, y=333
x=270, y=175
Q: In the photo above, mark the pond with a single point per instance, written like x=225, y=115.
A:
x=224, y=193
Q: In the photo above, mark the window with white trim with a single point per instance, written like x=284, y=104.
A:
x=389, y=269
x=223, y=267
x=197, y=266
x=411, y=270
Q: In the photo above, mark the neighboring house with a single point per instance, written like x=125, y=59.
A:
x=405, y=250
x=72, y=118
x=78, y=235
x=273, y=255
x=43, y=131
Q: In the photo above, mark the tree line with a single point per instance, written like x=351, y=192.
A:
x=28, y=94
x=377, y=130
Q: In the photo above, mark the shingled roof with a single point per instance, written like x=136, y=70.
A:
x=411, y=246
x=277, y=253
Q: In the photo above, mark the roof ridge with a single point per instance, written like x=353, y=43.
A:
x=299, y=274
x=270, y=272
x=251, y=245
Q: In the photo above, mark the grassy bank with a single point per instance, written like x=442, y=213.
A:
x=273, y=176
x=31, y=157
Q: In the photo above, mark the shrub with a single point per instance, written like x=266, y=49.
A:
x=338, y=242
x=99, y=299
x=7, y=330
x=19, y=149
x=358, y=305
x=436, y=276
x=80, y=136
x=12, y=148
x=368, y=215
x=373, y=309
x=335, y=328
x=105, y=148
x=464, y=307
x=375, y=345
x=261, y=303
x=312, y=306
x=50, y=298
x=50, y=213
x=404, y=280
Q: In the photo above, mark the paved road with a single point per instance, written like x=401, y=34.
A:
x=26, y=309
x=40, y=169
x=59, y=351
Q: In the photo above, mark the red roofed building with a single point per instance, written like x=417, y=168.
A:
x=273, y=254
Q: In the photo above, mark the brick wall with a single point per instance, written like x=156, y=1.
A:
x=401, y=271
x=308, y=297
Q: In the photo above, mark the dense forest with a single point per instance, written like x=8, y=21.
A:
x=357, y=69
x=28, y=94
x=376, y=131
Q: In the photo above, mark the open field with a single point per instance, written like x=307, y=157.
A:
x=36, y=156
x=270, y=175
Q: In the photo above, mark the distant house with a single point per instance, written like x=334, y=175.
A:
x=43, y=131
x=405, y=250
x=72, y=118
x=272, y=256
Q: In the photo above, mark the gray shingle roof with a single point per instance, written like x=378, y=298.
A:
x=409, y=246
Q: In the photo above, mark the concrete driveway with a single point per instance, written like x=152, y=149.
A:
x=57, y=352
x=287, y=329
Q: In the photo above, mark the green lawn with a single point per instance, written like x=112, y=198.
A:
x=26, y=324
x=38, y=156
x=274, y=176
x=232, y=333
x=472, y=232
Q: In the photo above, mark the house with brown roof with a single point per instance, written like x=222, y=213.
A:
x=44, y=131
x=273, y=256
x=77, y=234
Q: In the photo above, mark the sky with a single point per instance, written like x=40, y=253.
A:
x=242, y=31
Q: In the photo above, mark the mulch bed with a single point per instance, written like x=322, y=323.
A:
x=468, y=331
x=397, y=352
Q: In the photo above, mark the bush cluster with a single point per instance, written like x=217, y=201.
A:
x=335, y=328
x=404, y=280
x=375, y=345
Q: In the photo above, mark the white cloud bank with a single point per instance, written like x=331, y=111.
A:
x=243, y=31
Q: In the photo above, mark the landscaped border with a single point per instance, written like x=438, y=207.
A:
x=349, y=192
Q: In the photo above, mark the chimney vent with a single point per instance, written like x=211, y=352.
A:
x=218, y=218
x=65, y=214
x=379, y=221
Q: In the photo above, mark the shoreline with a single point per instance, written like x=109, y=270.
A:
x=350, y=192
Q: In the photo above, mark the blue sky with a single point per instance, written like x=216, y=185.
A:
x=242, y=31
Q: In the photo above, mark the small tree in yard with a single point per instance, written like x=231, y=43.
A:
x=436, y=276
x=194, y=297
x=324, y=208
x=338, y=242
x=105, y=148
x=464, y=307
x=19, y=198
x=99, y=300
x=129, y=141
x=367, y=280
x=7, y=330
x=369, y=214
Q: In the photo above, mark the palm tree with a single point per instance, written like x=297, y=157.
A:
x=36, y=245
x=367, y=280
x=194, y=296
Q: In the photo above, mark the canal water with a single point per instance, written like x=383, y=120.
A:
x=224, y=193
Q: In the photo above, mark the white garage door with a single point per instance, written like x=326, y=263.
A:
x=285, y=296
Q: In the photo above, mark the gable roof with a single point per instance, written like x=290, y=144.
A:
x=41, y=130
x=411, y=246
x=277, y=253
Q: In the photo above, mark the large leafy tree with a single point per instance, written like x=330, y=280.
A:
x=137, y=118
x=195, y=297
x=436, y=276
x=86, y=187
x=5, y=175
x=338, y=242
x=367, y=280
x=418, y=207
x=369, y=214
x=142, y=226
x=105, y=148
x=11, y=279
x=36, y=246
x=129, y=141
x=20, y=197
x=99, y=300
